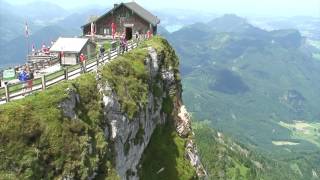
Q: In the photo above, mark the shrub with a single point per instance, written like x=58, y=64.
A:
x=167, y=105
x=37, y=142
x=128, y=77
x=157, y=91
x=166, y=150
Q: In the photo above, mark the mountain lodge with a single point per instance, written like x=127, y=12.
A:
x=129, y=18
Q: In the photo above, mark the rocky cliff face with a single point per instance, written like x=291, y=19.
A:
x=130, y=137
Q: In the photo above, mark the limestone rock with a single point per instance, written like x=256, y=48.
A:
x=125, y=133
x=183, y=123
x=68, y=106
x=192, y=154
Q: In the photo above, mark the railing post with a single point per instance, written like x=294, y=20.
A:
x=6, y=89
x=85, y=66
x=98, y=61
x=66, y=75
x=109, y=55
x=118, y=51
x=43, y=82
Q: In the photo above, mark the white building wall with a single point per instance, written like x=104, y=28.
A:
x=69, y=59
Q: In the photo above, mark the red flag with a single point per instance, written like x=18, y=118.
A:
x=113, y=29
x=27, y=30
x=92, y=29
x=44, y=48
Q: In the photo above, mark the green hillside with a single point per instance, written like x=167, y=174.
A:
x=246, y=81
x=224, y=158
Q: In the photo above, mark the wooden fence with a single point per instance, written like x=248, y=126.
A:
x=18, y=91
x=37, y=63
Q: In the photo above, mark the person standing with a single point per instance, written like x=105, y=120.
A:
x=102, y=50
x=121, y=45
x=83, y=62
x=23, y=77
x=137, y=37
x=148, y=34
x=125, y=44
x=114, y=30
x=30, y=79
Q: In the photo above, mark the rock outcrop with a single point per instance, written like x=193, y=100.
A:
x=101, y=124
x=183, y=127
x=130, y=137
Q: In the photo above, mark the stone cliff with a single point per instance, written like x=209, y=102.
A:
x=112, y=124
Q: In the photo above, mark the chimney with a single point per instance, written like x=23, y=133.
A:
x=116, y=5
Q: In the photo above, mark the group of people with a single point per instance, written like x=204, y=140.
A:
x=26, y=77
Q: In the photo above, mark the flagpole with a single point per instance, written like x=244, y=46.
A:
x=27, y=40
x=27, y=46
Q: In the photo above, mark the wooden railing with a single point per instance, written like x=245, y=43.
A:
x=42, y=62
x=18, y=91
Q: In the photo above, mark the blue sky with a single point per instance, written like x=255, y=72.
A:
x=241, y=7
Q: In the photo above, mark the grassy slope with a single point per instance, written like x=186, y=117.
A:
x=269, y=70
x=217, y=158
x=39, y=142
x=243, y=114
x=305, y=131
x=128, y=77
x=226, y=159
x=166, y=150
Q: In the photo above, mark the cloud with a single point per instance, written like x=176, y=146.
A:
x=253, y=7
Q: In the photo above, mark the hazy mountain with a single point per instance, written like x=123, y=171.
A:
x=11, y=24
x=229, y=23
x=46, y=18
x=78, y=19
x=253, y=85
x=45, y=25
x=308, y=26
x=40, y=12
x=15, y=52
x=175, y=19
x=36, y=14
x=163, y=31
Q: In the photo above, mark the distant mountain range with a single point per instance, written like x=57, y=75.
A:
x=48, y=15
x=253, y=85
x=46, y=22
x=308, y=26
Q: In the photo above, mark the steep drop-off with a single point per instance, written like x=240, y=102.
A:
x=100, y=126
